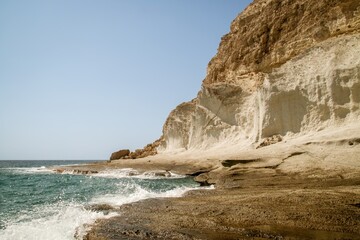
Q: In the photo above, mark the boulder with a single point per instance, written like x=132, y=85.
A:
x=270, y=140
x=120, y=154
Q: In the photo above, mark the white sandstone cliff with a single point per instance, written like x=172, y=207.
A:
x=274, y=75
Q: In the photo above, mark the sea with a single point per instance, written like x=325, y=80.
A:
x=37, y=203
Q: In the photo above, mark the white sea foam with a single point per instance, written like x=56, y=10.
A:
x=56, y=222
x=24, y=170
x=129, y=196
x=132, y=173
x=64, y=220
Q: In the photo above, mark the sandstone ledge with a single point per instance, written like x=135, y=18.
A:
x=304, y=188
x=260, y=205
x=286, y=80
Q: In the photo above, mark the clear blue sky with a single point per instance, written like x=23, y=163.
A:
x=81, y=79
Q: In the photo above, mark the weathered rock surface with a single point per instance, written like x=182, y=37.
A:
x=99, y=207
x=271, y=32
x=288, y=68
x=275, y=126
x=148, y=150
x=120, y=154
x=270, y=140
x=261, y=204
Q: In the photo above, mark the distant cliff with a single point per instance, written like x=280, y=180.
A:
x=287, y=68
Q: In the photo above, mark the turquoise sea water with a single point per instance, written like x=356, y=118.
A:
x=36, y=203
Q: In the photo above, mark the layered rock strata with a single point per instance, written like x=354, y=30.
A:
x=287, y=68
x=277, y=126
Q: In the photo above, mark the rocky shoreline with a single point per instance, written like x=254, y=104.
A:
x=289, y=190
x=275, y=127
x=247, y=203
x=259, y=205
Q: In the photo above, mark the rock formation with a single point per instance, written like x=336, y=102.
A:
x=275, y=127
x=148, y=150
x=120, y=154
x=286, y=69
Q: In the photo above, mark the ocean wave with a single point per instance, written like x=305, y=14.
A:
x=68, y=219
x=127, y=173
x=139, y=193
x=132, y=173
x=56, y=222
x=27, y=170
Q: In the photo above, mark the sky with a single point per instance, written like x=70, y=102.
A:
x=82, y=79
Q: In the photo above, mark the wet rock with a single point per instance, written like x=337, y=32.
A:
x=270, y=140
x=85, y=172
x=158, y=173
x=99, y=207
x=203, y=179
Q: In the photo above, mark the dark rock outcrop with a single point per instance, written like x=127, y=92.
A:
x=120, y=154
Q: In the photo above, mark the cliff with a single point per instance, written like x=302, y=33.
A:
x=286, y=69
x=275, y=127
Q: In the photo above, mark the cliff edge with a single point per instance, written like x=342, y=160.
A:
x=276, y=128
x=286, y=69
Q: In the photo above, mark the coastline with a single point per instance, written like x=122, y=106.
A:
x=275, y=127
x=276, y=207
x=304, y=188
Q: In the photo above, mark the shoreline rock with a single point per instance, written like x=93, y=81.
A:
x=120, y=154
x=304, y=188
x=257, y=204
x=275, y=127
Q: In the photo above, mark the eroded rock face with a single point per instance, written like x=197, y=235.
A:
x=271, y=32
x=287, y=68
x=120, y=154
x=148, y=150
